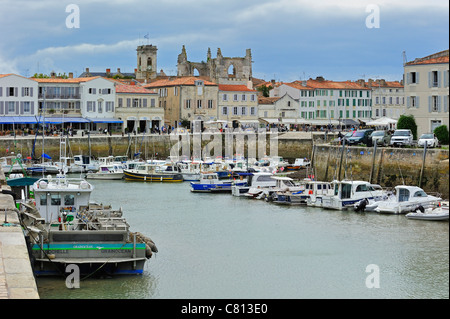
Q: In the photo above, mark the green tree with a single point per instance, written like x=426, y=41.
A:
x=408, y=122
x=265, y=90
x=441, y=133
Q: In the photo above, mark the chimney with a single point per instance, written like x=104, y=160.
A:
x=304, y=83
x=87, y=70
x=320, y=79
x=108, y=71
x=118, y=70
x=53, y=75
x=70, y=75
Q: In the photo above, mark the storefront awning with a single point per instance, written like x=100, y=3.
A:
x=60, y=120
x=18, y=120
x=105, y=120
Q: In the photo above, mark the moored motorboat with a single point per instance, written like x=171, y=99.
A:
x=65, y=227
x=109, y=172
x=439, y=213
x=406, y=198
x=211, y=183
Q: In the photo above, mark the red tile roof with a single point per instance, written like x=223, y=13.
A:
x=234, y=88
x=60, y=80
x=267, y=100
x=436, y=58
x=176, y=81
x=125, y=88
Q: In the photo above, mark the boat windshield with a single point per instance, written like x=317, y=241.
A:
x=420, y=194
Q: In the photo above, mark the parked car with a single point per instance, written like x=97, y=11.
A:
x=402, y=137
x=428, y=138
x=361, y=137
x=380, y=138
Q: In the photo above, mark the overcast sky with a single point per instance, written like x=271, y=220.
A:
x=290, y=39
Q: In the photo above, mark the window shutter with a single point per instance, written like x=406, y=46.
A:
x=417, y=77
x=439, y=79
x=31, y=92
x=1, y=91
x=429, y=79
x=145, y=102
x=93, y=106
x=408, y=102
x=439, y=104
x=445, y=103
x=17, y=107
x=1, y=107
x=112, y=106
x=417, y=102
x=21, y=107
x=430, y=101
x=6, y=107
x=128, y=102
x=408, y=80
x=16, y=92
x=32, y=108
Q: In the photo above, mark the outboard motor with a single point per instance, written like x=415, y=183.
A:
x=419, y=208
x=362, y=205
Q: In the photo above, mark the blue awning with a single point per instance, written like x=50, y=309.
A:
x=60, y=120
x=18, y=120
x=101, y=120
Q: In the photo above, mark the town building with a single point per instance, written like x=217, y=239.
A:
x=186, y=99
x=138, y=108
x=427, y=91
x=18, y=101
x=324, y=102
x=388, y=98
x=238, y=105
x=80, y=103
x=282, y=110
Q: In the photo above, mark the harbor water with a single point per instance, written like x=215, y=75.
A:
x=216, y=246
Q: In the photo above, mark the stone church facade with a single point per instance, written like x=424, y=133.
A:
x=221, y=70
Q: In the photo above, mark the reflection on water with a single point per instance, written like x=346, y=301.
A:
x=220, y=246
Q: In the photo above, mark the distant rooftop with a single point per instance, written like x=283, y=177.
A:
x=436, y=58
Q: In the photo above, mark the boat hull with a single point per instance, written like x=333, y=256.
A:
x=157, y=178
x=214, y=188
x=108, y=176
x=100, y=258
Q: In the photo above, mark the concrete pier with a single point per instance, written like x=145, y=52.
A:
x=16, y=276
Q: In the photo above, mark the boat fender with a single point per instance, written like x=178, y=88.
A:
x=148, y=252
x=8, y=192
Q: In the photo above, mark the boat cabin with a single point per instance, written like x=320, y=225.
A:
x=406, y=193
x=351, y=189
x=57, y=195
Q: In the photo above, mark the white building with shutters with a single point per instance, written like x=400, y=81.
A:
x=18, y=100
x=427, y=91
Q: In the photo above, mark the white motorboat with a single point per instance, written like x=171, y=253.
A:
x=406, y=199
x=190, y=170
x=107, y=171
x=437, y=213
x=286, y=191
x=258, y=182
x=347, y=193
x=314, y=192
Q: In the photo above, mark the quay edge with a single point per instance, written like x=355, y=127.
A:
x=16, y=276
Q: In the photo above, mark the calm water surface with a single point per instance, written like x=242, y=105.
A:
x=219, y=246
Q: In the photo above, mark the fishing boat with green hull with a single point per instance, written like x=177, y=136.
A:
x=65, y=228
